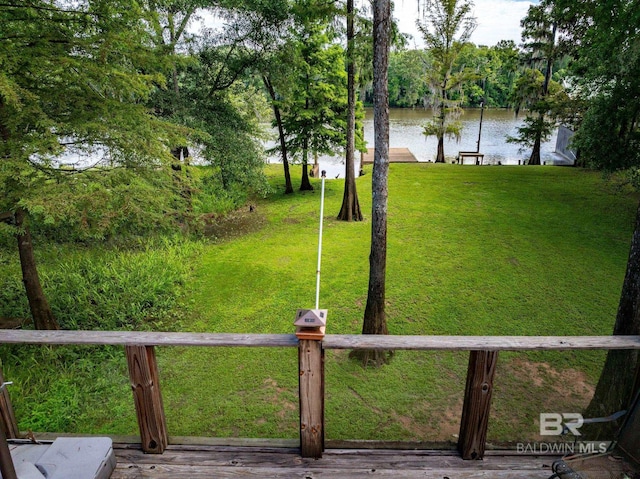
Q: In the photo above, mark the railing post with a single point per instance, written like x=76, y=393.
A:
x=311, y=387
x=8, y=421
x=477, y=404
x=143, y=372
x=7, y=468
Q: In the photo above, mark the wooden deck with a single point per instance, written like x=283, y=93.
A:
x=396, y=155
x=182, y=462
x=226, y=462
x=211, y=458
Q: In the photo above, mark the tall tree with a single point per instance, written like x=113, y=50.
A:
x=350, y=209
x=277, y=69
x=314, y=115
x=169, y=20
x=607, y=75
x=70, y=79
x=375, y=321
x=211, y=86
x=539, y=122
x=267, y=79
x=540, y=34
x=447, y=25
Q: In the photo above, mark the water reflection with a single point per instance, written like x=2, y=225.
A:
x=405, y=131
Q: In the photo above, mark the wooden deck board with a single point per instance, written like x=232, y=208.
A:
x=235, y=462
x=396, y=155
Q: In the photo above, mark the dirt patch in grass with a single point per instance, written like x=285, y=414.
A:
x=235, y=224
x=450, y=422
x=277, y=397
x=543, y=375
x=524, y=388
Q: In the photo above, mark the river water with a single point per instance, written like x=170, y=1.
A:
x=405, y=127
x=405, y=131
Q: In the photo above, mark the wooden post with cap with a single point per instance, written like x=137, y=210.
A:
x=310, y=327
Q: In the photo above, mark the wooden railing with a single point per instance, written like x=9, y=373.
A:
x=143, y=372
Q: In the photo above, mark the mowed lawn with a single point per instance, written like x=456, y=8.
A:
x=471, y=251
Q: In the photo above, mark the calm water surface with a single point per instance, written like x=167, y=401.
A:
x=406, y=132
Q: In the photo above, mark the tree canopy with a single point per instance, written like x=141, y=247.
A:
x=447, y=26
x=605, y=75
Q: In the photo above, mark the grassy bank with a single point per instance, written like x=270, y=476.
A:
x=489, y=250
x=529, y=251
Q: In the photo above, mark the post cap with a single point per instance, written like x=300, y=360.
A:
x=311, y=318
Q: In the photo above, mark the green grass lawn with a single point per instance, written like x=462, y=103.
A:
x=471, y=251
x=475, y=251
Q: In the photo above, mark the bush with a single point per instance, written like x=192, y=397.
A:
x=108, y=289
x=67, y=388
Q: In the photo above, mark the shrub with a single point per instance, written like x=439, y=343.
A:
x=101, y=288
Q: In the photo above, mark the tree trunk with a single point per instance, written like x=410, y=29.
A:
x=534, y=159
x=374, y=314
x=615, y=389
x=288, y=186
x=350, y=210
x=579, y=162
x=550, y=59
x=440, y=153
x=182, y=175
x=305, y=184
x=40, y=309
x=443, y=119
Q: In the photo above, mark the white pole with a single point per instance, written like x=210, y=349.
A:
x=324, y=175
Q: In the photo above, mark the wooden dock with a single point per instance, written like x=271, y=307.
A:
x=396, y=155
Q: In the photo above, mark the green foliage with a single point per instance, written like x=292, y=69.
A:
x=607, y=138
x=534, y=127
x=106, y=203
x=212, y=197
x=65, y=388
x=108, y=289
x=544, y=44
x=448, y=25
x=229, y=121
x=83, y=84
x=606, y=80
x=72, y=81
x=14, y=301
x=492, y=71
x=314, y=113
x=407, y=78
x=496, y=69
x=451, y=129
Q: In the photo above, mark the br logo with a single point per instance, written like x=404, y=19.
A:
x=555, y=424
